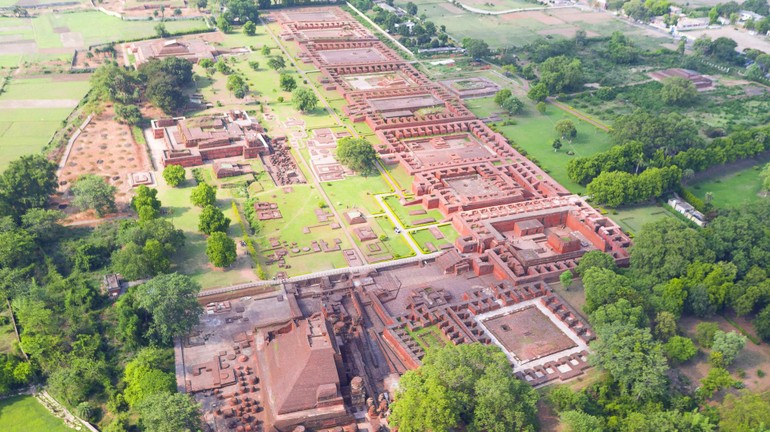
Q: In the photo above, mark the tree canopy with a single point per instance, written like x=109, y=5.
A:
x=220, y=249
x=93, y=192
x=470, y=385
x=357, y=154
x=304, y=99
x=172, y=301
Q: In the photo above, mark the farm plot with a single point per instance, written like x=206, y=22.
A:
x=32, y=110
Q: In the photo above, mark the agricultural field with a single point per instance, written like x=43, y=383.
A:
x=500, y=5
x=521, y=28
x=51, y=36
x=33, y=109
x=24, y=414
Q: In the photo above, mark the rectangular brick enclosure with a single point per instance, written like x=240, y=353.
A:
x=528, y=334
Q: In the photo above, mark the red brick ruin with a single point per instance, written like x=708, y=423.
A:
x=518, y=231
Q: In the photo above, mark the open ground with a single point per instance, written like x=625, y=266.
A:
x=24, y=414
x=520, y=28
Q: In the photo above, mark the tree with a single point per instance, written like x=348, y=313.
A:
x=174, y=174
x=595, y=258
x=17, y=248
x=728, y=345
x=469, y=384
x=276, y=63
x=42, y=224
x=212, y=220
x=561, y=73
x=603, y=286
x=566, y=128
x=621, y=311
x=664, y=249
x=679, y=349
x=93, y=192
x=131, y=262
x=665, y=325
x=222, y=67
x=705, y=332
x=717, y=378
x=287, y=82
x=513, y=105
x=745, y=412
x=203, y=195
x=556, y=144
x=162, y=92
x=678, y=91
x=237, y=85
x=357, y=154
x=160, y=30
x=145, y=196
x=476, y=48
x=201, y=4
x=172, y=301
x=220, y=249
x=411, y=8
x=538, y=93
x=265, y=50
x=170, y=412
x=26, y=183
x=304, y=99
x=223, y=24
x=762, y=323
x=620, y=49
x=249, y=28
x=578, y=421
x=254, y=65
x=502, y=95
x=541, y=107
x=566, y=279
x=144, y=375
x=633, y=359
x=128, y=114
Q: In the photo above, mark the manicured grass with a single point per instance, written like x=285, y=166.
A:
x=25, y=414
x=357, y=192
x=402, y=213
x=534, y=132
x=424, y=236
x=732, y=189
x=399, y=174
x=191, y=259
x=395, y=243
x=632, y=219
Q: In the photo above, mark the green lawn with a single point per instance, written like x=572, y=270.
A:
x=25, y=414
x=395, y=243
x=534, y=133
x=732, y=189
x=428, y=337
x=357, y=192
x=424, y=236
x=633, y=218
x=191, y=259
x=402, y=212
x=399, y=174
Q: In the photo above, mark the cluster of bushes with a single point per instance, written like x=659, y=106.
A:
x=615, y=188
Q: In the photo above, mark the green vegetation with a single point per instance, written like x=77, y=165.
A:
x=24, y=413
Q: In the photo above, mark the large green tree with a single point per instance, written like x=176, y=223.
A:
x=304, y=99
x=93, y=192
x=172, y=301
x=469, y=385
x=203, y=195
x=212, y=220
x=26, y=183
x=357, y=154
x=220, y=249
x=170, y=412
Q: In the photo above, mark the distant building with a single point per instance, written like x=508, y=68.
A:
x=701, y=82
x=687, y=210
x=193, y=50
x=745, y=15
x=111, y=284
x=687, y=24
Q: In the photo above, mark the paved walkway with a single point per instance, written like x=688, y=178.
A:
x=358, y=269
x=337, y=119
x=397, y=223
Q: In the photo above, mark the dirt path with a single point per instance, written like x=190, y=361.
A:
x=578, y=114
